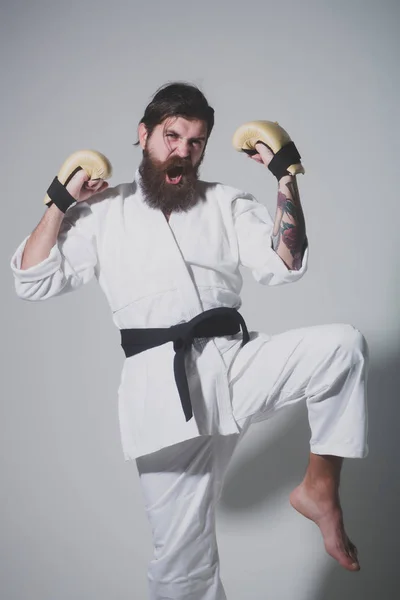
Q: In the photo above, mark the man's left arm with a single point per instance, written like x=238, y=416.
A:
x=289, y=238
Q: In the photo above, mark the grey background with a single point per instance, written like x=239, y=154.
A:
x=79, y=75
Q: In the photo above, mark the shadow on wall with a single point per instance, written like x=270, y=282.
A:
x=370, y=490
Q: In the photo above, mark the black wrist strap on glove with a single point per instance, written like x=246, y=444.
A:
x=59, y=195
x=286, y=156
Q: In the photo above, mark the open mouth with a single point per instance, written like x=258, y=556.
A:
x=174, y=175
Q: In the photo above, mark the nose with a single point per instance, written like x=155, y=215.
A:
x=183, y=149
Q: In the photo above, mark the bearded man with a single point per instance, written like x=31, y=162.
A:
x=166, y=250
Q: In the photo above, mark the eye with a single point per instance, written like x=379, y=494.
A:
x=171, y=135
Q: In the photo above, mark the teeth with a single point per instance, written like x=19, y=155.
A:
x=175, y=179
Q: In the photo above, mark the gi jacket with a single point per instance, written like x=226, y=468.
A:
x=156, y=273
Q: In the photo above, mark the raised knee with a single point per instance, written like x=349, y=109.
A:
x=347, y=337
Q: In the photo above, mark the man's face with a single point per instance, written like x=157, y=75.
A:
x=172, y=155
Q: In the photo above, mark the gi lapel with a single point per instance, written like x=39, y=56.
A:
x=167, y=253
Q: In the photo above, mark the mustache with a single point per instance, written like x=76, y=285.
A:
x=174, y=162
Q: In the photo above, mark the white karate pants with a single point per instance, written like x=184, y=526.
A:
x=326, y=366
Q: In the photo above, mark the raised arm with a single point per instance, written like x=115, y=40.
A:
x=44, y=236
x=289, y=234
x=60, y=254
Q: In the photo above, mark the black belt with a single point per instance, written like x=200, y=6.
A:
x=210, y=323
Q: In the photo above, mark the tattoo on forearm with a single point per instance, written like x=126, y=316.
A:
x=290, y=231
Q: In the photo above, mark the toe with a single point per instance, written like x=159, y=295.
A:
x=352, y=557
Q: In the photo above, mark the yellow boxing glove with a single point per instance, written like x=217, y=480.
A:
x=270, y=133
x=96, y=165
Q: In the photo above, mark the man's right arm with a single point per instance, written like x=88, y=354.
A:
x=42, y=238
x=59, y=255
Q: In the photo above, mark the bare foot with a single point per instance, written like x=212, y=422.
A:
x=327, y=514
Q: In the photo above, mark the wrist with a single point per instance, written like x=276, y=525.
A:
x=53, y=209
x=53, y=214
x=60, y=196
x=286, y=178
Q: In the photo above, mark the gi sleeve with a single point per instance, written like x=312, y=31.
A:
x=254, y=226
x=71, y=261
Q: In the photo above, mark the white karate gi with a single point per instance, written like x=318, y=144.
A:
x=158, y=274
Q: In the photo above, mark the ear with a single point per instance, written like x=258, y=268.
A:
x=142, y=134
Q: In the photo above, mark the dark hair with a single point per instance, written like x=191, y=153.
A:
x=180, y=100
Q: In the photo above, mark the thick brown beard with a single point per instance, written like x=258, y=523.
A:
x=168, y=197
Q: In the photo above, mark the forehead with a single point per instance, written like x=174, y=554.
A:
x=185, y=127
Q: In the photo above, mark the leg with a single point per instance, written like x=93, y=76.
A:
x=181, y=486
x=327, y=367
